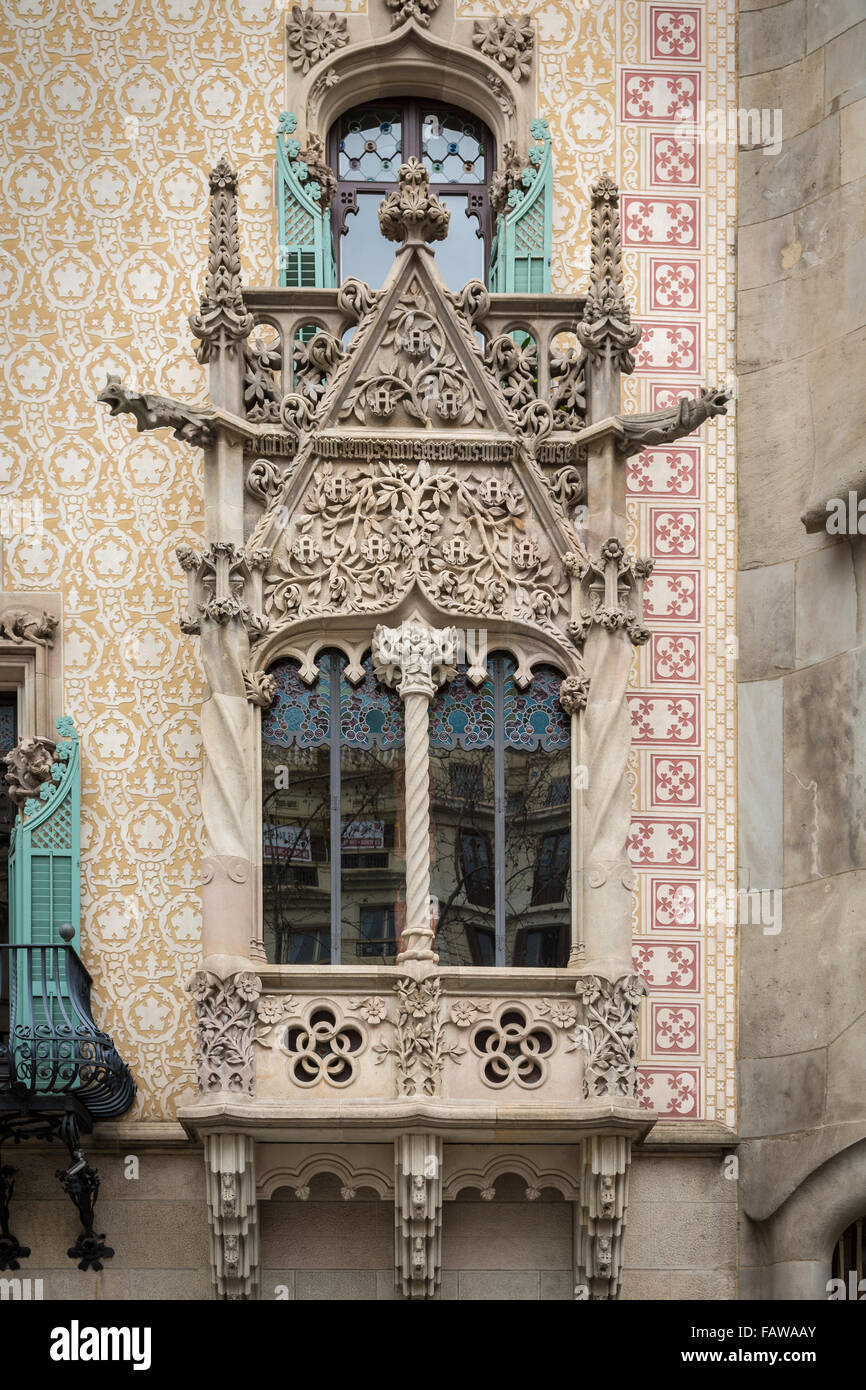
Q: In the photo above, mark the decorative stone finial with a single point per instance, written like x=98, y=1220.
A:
x=607, y=330
x=411, y=214
x=222, y=320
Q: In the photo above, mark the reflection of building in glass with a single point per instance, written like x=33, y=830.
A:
x=501, y=841
x=500, y=837
x=332, y=817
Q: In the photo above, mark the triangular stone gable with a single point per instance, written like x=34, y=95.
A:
x=415, y=362
x=414, y=480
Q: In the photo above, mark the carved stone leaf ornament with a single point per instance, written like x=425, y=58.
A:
x=226, y=1014
x=417, y=378
x=314, y=361
x=419, y=10
x=419, y=1047
x=509, y=40
x=311, y=36
x=361, y=542
x=611, y=1015
x=412, y=212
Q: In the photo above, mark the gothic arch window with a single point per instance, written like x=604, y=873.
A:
x=333, y=839
x=500, y=818
x=366, y=147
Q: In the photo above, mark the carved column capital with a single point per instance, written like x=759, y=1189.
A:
x=413, y=658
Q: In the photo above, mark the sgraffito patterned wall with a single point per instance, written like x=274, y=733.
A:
x=111, y=114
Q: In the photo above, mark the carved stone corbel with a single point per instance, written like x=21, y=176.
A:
x=599, y=1216
x=416, y=660
x=233, y=1215
x=418, y=1214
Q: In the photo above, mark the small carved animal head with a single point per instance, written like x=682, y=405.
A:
x=113, y=393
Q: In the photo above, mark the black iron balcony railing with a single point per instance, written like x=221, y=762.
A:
x=53, y=1046
x=58, y=1073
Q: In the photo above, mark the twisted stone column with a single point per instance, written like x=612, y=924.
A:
x=415, y=660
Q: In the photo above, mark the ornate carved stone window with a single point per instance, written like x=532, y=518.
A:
x=333, y=841
x=501, y=838
x=366, y=147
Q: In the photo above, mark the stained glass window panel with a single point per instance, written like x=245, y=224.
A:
x=501, y=837
x=453, y=147
x=370, y=145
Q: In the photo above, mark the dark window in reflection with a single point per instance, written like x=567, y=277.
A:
x=366, y=147
x=501, y=833
x=476, y=864
x=332, y=822
x=551, y=870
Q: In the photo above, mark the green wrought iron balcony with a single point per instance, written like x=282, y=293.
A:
x=58, y=1071
x=53, y=1047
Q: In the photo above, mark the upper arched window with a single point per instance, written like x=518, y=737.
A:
x=366, y=147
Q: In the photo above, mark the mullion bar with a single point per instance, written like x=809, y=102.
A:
x=334, y=713
x=499, y=807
